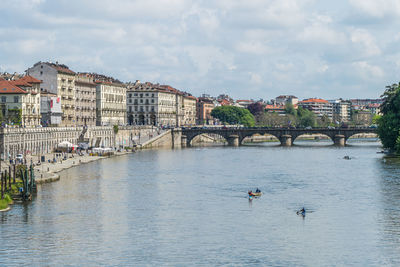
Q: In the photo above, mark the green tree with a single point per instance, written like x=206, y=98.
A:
x=305, y=117
x=389, y=123
x=290, y=110
x=233, y=115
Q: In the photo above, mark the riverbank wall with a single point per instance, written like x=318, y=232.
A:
x=39, y=141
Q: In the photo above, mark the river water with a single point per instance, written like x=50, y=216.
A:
x=189, y=207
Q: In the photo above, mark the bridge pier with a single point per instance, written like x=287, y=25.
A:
x=233, y=140
x=184, y=141
x=339, y=140
x=286, y=140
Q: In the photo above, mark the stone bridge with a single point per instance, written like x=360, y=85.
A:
x=286, y=136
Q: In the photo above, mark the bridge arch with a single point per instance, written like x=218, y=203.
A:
x=190, y=136
x=251, y=134
x=330, y=136
x=348, y=136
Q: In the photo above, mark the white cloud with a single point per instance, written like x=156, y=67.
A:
x=368, y=71
x=367, y=42
x=301, y=45
x=377, y=8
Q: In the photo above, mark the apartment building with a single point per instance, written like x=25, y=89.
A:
x=341, y=110
x=319, y=107
x=60, y=80
x=30, y=101
x=160, y=105
x=85, y=100
x=110, y=102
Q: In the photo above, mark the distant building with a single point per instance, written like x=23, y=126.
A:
x=204, y=108
x=160, y=105
x=50, y=109
x=85, y=100
x=190, y=109
x=341, y=110
x=243, y=103
x=319, y=107
x=60, y=80
x=12, y=103
x=285, y=99
x=374, y=108
x=31, y=101
x=279, y=109
x=110, y=102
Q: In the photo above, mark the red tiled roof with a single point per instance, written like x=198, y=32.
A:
x=9, y=88
x=30, y=79
x=237, y=101
x=63, y=70
x=314, y=100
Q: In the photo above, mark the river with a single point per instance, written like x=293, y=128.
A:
x=189, y=207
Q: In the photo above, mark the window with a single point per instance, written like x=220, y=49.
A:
x=135, y=101
x=147, y=94
x=152, y=108
x=16, y=99
x=152, y=95
x=130, y=95
x=152, y=101
x=41, y=73
x=130, y=100
x=141, y=95
x=4, y=99
x=135, y=108
x=135, y=94
x=141, y=101
x=147, y=101
x=147, y=108
x=141, y=109
x=130, y=108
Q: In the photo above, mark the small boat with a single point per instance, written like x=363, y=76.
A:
x=254, y=194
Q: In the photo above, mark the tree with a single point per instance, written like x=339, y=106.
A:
x=233, y=115
x=256, y=108
x=389, y=123
x=289, y=109
x=305, y=117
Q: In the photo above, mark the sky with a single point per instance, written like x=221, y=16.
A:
x=248, y=49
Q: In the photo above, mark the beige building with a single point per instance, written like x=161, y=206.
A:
x=60, y=80
x=30, y=101
x=110, y=103
x=189, y=107
x=85, y=100
x=159, y=105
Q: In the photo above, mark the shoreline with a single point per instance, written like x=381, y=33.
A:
x=49, y=172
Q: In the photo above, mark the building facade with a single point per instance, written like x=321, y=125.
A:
x=150, y=104
x=190, y=109
x=85, y=100
x=60, y=80
x=341, y=110
x=12, y=104
x=204, y=108
x=30, y=101
x=319, y=107
x=110, y=103
x=50, y=109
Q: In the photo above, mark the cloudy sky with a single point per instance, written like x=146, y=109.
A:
x=245, y=48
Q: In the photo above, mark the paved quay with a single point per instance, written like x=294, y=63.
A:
x=48, y=172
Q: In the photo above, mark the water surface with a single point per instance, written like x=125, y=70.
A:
x=189, y=207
